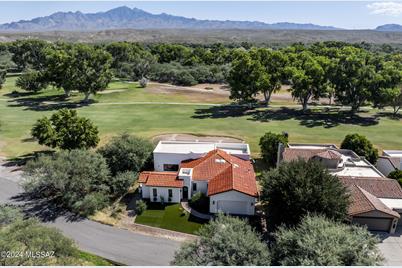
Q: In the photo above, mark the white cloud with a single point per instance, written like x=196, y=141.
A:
x=386, y=8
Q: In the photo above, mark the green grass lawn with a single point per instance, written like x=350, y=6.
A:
x=19, y=112
x=94, y=260
x=172, y=217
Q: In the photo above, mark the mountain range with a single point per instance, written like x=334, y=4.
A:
x=127, y=18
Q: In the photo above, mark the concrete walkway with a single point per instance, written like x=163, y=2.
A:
x=195, y=213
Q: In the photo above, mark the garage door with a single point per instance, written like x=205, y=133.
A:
x=232, y=207
x=374, y=224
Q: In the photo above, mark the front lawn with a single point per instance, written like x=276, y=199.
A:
x=169, y=216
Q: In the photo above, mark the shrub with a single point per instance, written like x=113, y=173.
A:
x=3, y=74
x=298, y=188
x=225, y=241
x=79, y=180
x=361, y=146
x=120, y=183
x=396, y=175
x=29, y=235
x=140, y=207
x=269, y=144
x=317, y=241
x=143, y=82
x=200, y=202
x=126, y=153
x=9, y=214
x=31, y=81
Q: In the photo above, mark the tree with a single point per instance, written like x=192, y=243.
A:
x=361, y=146
x=297, y=188
x=126, y=153
x=317, y=241
x=120, y=183
x=3, y=74
x=274, y=64
x=77, y=179
x=29, y=53
x=30, y=237
x=396, y=175
x=225, y=241
x=246, y=78
x=353, y=76
x=307, y=75
x=79, y=67
x=269, y=144
x=66, y=130
x=31, y=81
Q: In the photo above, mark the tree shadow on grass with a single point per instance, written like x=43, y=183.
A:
x=45, y=209
x=47, y=103
x=23, y=159
x=223, y=111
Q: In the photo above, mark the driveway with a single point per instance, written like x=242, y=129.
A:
x=119, y=245
x=391, y=247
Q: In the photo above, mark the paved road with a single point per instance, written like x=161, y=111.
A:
x=115, y=244
x=391, y=247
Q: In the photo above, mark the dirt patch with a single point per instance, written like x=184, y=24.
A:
x=192, y=137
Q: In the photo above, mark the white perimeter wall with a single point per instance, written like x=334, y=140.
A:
x=232, y=196
x=172, y=158
x=161, y=191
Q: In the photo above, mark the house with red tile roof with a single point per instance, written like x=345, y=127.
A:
x=375, y=201
x=227, y=179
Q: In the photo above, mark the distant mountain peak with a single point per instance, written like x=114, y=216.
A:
x=390, y=28
x=124, y=17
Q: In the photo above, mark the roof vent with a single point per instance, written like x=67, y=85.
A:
x=219, y=160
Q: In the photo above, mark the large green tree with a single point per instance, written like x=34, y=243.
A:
x=307, y=76
x=29, y=53
x=79, y=67
x=3, y=74
x=269, y=144
x=66, y=130
x=127, y=153
x=274, y=63
x=31, y=81
x=247, y=78
x=361, y=146
x=297, y=188
x=77, y=179
x=353, y=75
x=317, y=241
x=225, y=241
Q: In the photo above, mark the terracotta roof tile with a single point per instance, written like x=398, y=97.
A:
x=363, y=202
x=330, y=154
x=379, y=187
x=223, y=172
x=291, y=154
x=160, y=179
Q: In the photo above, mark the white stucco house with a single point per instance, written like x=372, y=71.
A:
x=389, y=161
x=376, y=201
x=221, y=171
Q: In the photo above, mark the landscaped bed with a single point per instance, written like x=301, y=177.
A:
x=169, y=216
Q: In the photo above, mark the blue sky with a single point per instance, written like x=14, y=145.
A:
x=344, y=14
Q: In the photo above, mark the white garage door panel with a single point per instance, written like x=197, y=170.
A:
x=375, y=224
x=232, y=207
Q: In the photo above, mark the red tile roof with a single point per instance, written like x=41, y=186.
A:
x=363, y=202
x=330, y=154
x=223, y=172
x=160, y=179
x=379, y=187
x=291, y=154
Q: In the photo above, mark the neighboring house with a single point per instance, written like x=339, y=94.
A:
x=389, y=161
x=223, y=172
x=376, y=201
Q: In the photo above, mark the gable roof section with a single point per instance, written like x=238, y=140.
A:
x=394, y=161
x=292, y=154
x=223, y=172
x=160, y=179
x=363, y=202
x=330, y=154
x=379, y=187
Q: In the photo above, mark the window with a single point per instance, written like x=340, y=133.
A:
x=194, y=187
x=170, y=167
x=154, y=192
x=170, y=193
